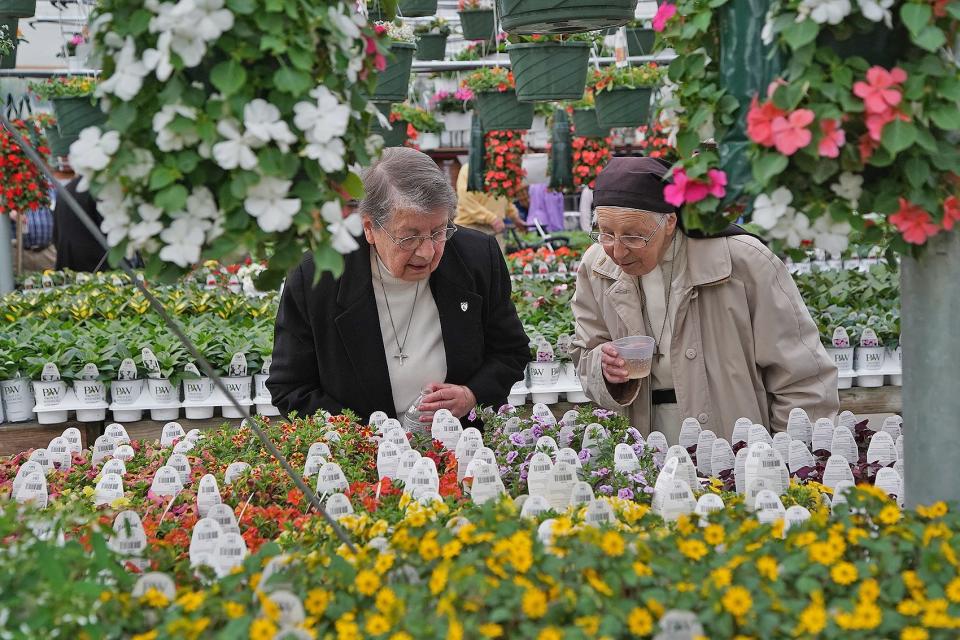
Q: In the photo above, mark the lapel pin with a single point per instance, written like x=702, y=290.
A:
x=464, y=306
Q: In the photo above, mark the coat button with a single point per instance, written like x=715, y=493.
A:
x=691, y=354
x=702, y=418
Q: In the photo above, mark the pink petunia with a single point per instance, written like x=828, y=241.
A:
x=760, y=122
x=832, y=138
x=684, y=190
x=664, y=12
x=881, y=90
x=790, y=133
x=718, y=183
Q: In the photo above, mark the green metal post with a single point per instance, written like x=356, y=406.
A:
x=6, y=256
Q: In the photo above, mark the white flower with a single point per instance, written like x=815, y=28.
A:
x=793, y=228
x=323, y=120
x=849, y=187
x=148, y=227
x=237, y=150
x=182, y=242
x=826, y=11
x=768, y=209
x=329, y=155
x=267, y=202
x=214, y=20
x=833, y=237
x=343, y=23
x=168, y=140
x=342, y=230
x=115, y=226
x=140, y=167
x=92, y=152
x=127, y=78
x=877, y=11
x=262, y=121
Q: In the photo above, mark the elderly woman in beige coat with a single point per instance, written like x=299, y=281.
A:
x=733, y=336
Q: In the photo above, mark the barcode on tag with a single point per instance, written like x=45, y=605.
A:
x=564, y=477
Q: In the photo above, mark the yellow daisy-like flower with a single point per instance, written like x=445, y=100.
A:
x=953, y=590
x=612, y=544
x=429, y=549
x=889, y=515
x=452, y=549
x=597, y=583
x=386, y=600
x=149, y=635
x=401, y=635
x=534, y=603
x=909, y=608
x=641, y=569
x=550, y=633
x=685, y=587
x=154, y=598
x=844, y=573
x=383, y=563
x=233, y=610
x=869, y=590
x=767, y=567
x=693, y=549
x=685, y=525
x=721, y=577
x=813, y=619
x=590, y=625
x=737, y=601
x=935, y=510
x=714, y=534
x=190, y=601
x=262, y=629
x=317, y=601
x=438, y=579
x=454, y=630
x=914, y=633
x=640, y=622
x=367, y=582
x=377, y=625
x=856, y=534
x=491, y=630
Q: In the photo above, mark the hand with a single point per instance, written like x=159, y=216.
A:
x=614, y=368
x=498, y=225
x=457, y=398
x=520, y=225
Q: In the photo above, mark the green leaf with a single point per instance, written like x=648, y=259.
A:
x=354, y=185
x=122, y=116
x=242, y=6
x=139, y=22
x=162, y=176
x=687, y=142
x=301, y=59
x=915, y=16
x=917, y=170
x=172, y=198
x=898, y=135
x=801, y=33
x=292, y=81
x=947, y=118
x=931, y=38
x=327, y=259
x=228, y=77
x=954, y=9
x=767, y=166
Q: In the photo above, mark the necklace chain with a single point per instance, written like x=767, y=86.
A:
x=666, y=314
x=401, y=356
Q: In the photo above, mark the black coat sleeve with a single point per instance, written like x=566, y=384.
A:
x=506, y=345
x=294, y=382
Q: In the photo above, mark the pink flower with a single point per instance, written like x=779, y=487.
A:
x=832, y=138
x=718, y=183
x=951, y=212
x=914, y=223
x=684, y=189
x=790, y=133
x=760, y=122
x=664, y=13
x=877, y=121
x=880, y=92
x=464, y=94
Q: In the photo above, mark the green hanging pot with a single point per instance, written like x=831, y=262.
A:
x=640, y=41
x=563, y=16
x=500, y=110
x=393, y=82
x=431, y=46
x=549, y=70
x=18, y=8
x=59, y=146
x=9, y=59
x=394, y=137
x=623, y=107
x=76, y=114
x=585, y=124
x=477, y=25
x=878, y=46
x=416, y=8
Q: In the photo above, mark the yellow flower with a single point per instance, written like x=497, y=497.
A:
x=912, y=581
x=383, y=563
x=721, y=577
x=714, y=534
x=909, y=608
x=844, y=573
x=767, y=567
x=550, y=633
x=693, y=549
x=869, y=590
x=823, y=552
x=856, y=534
x=813, y=619
x=438, y=579
x=149, y=635
x=737, y=601
x=936, y=510
x=642, y=570
x=685, y=587
x=597, y=583
x=889, y=515
x=105, y=596
x=386, y=600
x=154, y=598
x=401, y=635
x=377, y=625
x=685, y=525
x=612, y=544
x=317, y=601
x=534, y=603
x=953, y=590
x=367, y=582
x=640, y=622
x=491, y=630
x=190, y=601
x=454, y=630
x=262, y=629
x=914, y=633
x=452, y=549
x=416, y=518
x=429, y=549
x=233, y=610
x=589, y=625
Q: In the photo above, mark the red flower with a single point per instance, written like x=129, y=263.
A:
x=760, y=122
x=832, y=138
x=951, y=212
x=867, y=145
x=914, y=223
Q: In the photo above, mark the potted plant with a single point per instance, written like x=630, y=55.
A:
x=15, y=391
x=72, y=48
x=95, y=362
x=550, y=67
x=404, y=9
x=43, y=369
x=640, y=38
x=263, y=343
x=590, y=155
x=476, y=19
x=563, y=16
x=126, y=389
x=422, y=126
x=496, y=100
x=393, y=82
x=9, y=41
x=503, y=163
x=238, y=357
x=163, y=365
x=54, y=142
x=454, y=109
x=73, y=104
x=623, y=95
x=432, y=39
x=22, y=186
x=585, y=123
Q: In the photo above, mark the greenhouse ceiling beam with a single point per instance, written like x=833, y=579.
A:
x=433, y=66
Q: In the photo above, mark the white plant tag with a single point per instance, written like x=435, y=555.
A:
x=291, y=613
x=899, y=447
x=150, y=364
x=764, y=462
x=234, y=471
x=423, y=478
x=312, y=465
x=208, y=494
x=194, y=436
x=230, y=552
x=512, y=425
x=894, y=426
x=117, y=433
x=127, y=371
x=171, y=431
x=542, y=413
x=450, y=432
x=569, y=456
x=823, y=434
x=338, y=505
x=721, y=457
x=673, y=500
x=124, y=452
x=768, y=500
x=781, y=444
x=388, y=459
x=519, y=501
x=33, y=489
x=42, y=457
x=844, y=444
x=667, y=473
x=533, y=506
x=793, y=516
x=224, y=516
x=331, y=479
x=708, y=503
x=487, y=455
x=625, y=459
x=50, y=373
x=685, y=469
x=233, y=284
x=319, y=449
x=882, y=449
x=569, y=418
x=800, y=456
x=377, y=418
x=486, y=485
x=689, y=432
x=183, y=446
x=758, y=433
x=593, y=434
x=705, y=451
x=754, y=487
x=847, y=419
x=898, y=467
x=427, y=497
x=157, y=581
x=739, y=470
x=741, y=430
x=397, y=436
x=238, y=365
x=841, y=339
x=582, y=493
x=599, y=513
x=407, y=460
x=799, y=426
x=72, y=436
x=539, y=474
x=678, y=624
x=548, y=445
x=166, y=482
x=114, y=465
x=837, y=471
x=192, y=368
x=109, y=488
x=658, y=441
x=890, y=482
x=562, y=480
x=25, y=470
x=265, y=367
x=129, y=537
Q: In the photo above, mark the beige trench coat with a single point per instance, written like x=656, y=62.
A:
x=743, y=343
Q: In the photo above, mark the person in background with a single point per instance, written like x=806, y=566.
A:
x=77, y=249
x=522, y=203
x=482, y=211
x=39, y=252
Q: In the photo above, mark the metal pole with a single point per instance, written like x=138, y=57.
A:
x=6, y=256
x=931, y=361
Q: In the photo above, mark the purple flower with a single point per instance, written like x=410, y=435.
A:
x=505, y=409
x=472, y=415
x=605, y=489
x=639, y=478
x=603, y=413
x=512, y=456
x=635, y=434
x=648, y=489
x=625, y=493
x=504, y=471
x=584, y=455
x=638, y=449
x=600, y=473
x=517, y=439
x=537, y=430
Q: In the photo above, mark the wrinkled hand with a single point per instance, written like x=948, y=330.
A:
x=498, y=225
x=614, y=368
x=459, y=400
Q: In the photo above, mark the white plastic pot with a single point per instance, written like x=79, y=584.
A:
x=197, y=390
x=17, y=399
x=163, y=392
x=456, y=121
x=239, y=389
x=126, y=393
x=842, y=358
x=261, y=393
x=544, y=374
x=90, y=392
x=870, y=359
x=538, y=136
x=49, y=396
x=429, y=141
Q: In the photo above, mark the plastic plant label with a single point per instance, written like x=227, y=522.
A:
x=841, y=339
x=800, y=456
x=569, y=456
x=233, y=284
x=319, y=449
x=847, y=419
x=721, y=457
x=678, y=624
x=129, y=537
x=533, y=506
x=166, y=482
x=781, y=444
x=486, y=485
x=768, y=500
x=685, y=469
x=171, y=431
x=150, y=364
x=238, y=365
x=331, y=479
x=582, y=493
x=312, y=465
x=230, y=552
x=124, y=452
x=844, y=444
x=450, y=431
x=890, y=482
x=512, y=425
x=898, y=467
x=569, y=418
x=758, y=433
x=754, y=487
x=291, y=610
x=108, y=489
x=156, y=581
x=25, y=470
x=50, y=373
x=405, y=465
x=868, y=338
x=117, y=433
x=527, y=270
x=545, y=352
x=398, y=438
x=836, y=471
x=72, y=436
x=42, y=457
x=184, y=447
x=427, y=497
x=392, y=423
x=799, y=426
x=562, y=480
x=194, y=436
x=486, y=454
x=29, y=284
x=741, y=430
x=548, y=445
x=542, y=413
x=519, y=501
x=211, y=282
x=593, y=434
x=539, y=474
x=823, y=434
x=421, y=478
x=673, y=499
x=882, y=449
x=894, y=426
x=899, y=447
x=708, y=503
x=739, y=470
x=704, y=452
x=658, y=441
x=208, y=494
x=564, y=343
x=625, y=459
x=689, y=432
x=127, y=372
x=795, y=515
x=764, y=462
x=265, y=367
x=235, y=470
x=388, y=459
x=114, y=465
x=33, y=489
x=338, y=505
x=377, y=418
x=224, y=516
x=599, y=513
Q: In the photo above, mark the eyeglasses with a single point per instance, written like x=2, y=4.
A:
x=630, y=242
x=412, y=243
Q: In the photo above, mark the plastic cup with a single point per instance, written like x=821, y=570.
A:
x=637, y=354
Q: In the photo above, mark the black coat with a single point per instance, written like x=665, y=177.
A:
x=328, y=349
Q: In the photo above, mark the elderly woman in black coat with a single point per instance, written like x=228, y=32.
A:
x=421, y=305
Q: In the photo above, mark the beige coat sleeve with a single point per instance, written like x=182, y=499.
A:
x=795, y=368
x=592, y=333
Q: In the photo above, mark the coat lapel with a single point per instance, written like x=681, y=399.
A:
x=623, y=295
x=461, y=313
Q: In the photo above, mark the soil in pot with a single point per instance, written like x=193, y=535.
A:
x=563, y=16
x=477, y=25
x=500, y=110
x=549, y=70
x=623, y=107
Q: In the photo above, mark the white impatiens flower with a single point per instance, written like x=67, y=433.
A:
x=202, y=206
x=267, y=201
x=140, y=167
x=128, y=75
x=831, y=236
x=768, y=209
x=793, y=228
x=149, y=226
x=877, y=11
x=327, y=118
x=262, y=121
x=849, y=187
x=237, y=149
x=329, y=155
x=342, y=230
x=826, y=11
x=167, y=139
x=91, y=153
x=213, y=20
x=182, y=241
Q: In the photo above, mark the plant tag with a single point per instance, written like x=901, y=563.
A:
x=194, y=436
x=211, y=282
x=569, y=418
x=291, y=612
x=129, y=537
x=233, y=284
x=840, y=494
x=685, y=469
x=338, y=505
x=520, y=500
x=667, y=473
x=593, y=434
x=208, y=494
x=166, y=482
x=548, y=445
x=388, y=459
x=109, y=488
x=800, y=456
x=29, y=284
x=739, y=470
x=564, y=341
x=103, y=448
x=658, y=441
x=150, y=364
x=899, y=446
x=117, y=433
x=33, y=489
x=407, y=460
x=569, y=456
x=319, y=449
x=172, y=431
x=539, y=474
x=235, y=470
x=314, y=463
x=582, y=493
x=527, y=270
x=397, y=437
x=184, y=446
x=781, y=444
x=844, y=444
x=545, y=352
x=625, y=459
x=114, y=465
x=427, y=497
x=72, y=436
x=238, y=365
x=542, y=413
x=42, y=457
x=331, y=479
x=894, y=426
x=754, y=487
x=224, y=516
x=599, y=513
x=422, y=478
x=124, y=452
x=390, y=424
x=868, y=338
x=563, y=477
x=837, y=471
x=721, y=457
x=533, y=506
x=898, y=467
x=127, y=372
x=512, y=425
x=486, y=485
x=795, y=515
x=377, y=418
x=50, y=373
x=741, y=430
x=767, y=500
x=230, y=552
x=764, y=462
x=89, y=373
x=25, y=470
x=841, y=339
x=758, y=433
x=677, y=624
x=689, y=432
x=823, y=434
x=157, y=581
x=705, y=451
x=673, y=499
x=486, y=454
x=799, y=426
x=890, y=482
x=620, y=48
x=847, y=419
x=708, y=503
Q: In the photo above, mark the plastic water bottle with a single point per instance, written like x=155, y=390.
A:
x=411, y=419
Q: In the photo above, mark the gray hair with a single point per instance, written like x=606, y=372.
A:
x=406, y=179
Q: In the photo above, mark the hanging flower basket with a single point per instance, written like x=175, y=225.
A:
x=477, y=25
x=18, y=8
x=563, y=16
x=416, y=8
x=501, y=110
x=431, y=46
x=549, y=70
x=8, y=30
x=76, y=114
x=392, y=84
x=624, y=107
x=586, y=125
x=640, y=41
x=395, y=137
x=59, y=146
